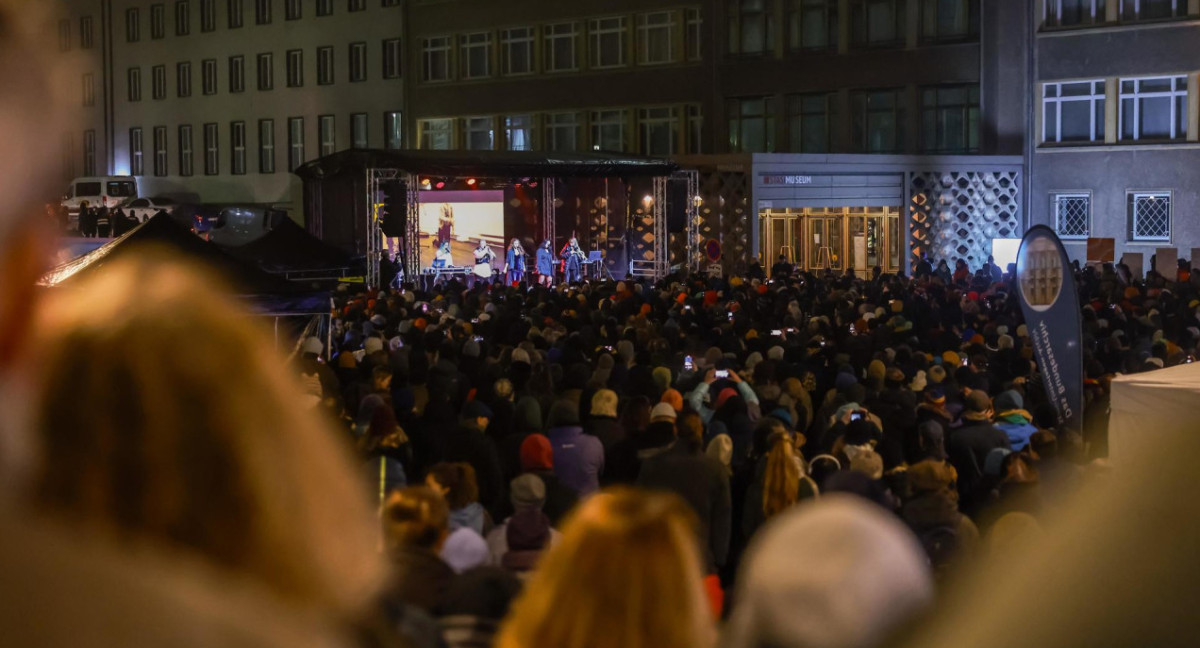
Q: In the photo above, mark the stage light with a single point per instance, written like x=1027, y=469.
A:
x=440, y=184
x=648, y=199
x=470, y=182
x=424, y=182
x=533, y=184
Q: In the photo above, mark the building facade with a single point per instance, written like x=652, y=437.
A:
x=1116, y=141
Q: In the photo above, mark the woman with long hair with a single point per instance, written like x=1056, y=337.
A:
x=514, y=262
x=545, y=264
x=779, y=483
x=576, y=599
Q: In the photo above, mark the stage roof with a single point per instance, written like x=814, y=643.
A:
x=488, y=164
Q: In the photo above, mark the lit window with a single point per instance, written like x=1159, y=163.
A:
x=518, y=132
x=393, y=130
x=437, y=134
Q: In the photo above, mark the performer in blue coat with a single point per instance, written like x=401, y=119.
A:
x=573, y=258
x=545, y=264
x=514, y=262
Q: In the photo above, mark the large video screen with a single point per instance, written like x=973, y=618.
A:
x=462, y=218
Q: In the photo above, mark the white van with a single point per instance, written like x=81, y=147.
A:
x=101, y=191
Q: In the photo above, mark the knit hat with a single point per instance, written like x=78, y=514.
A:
x=379, y=321
x=537, y=453
x=662, y=377
x=721, y=449
x=976, y=402
x=775, y=353
x=951, y=359
x=519, y=355
x=527, y=491
x=464, y=549
x=868, y=463
x=604, y=403
x=372, y=345
x=563, y=413
x=876, y=370
x=1009, y=400
x=662, y=412
x=895, y=375
x=936, y=374
x=844, y=381
x=674, y=399
x=313, y=345
x=724, y=396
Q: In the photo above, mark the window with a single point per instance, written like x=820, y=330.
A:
x=68, y=157
x=266, y=146
x=658, y=131
x=695, y=129
x=158, y=79
x=262, y=12
x=185, y=150
x=293, y=10
x=518, y=132
x=183, y=79
x=607, y=42
x=356, y=5
x=1152, y=9
x=295, y=142
x=950, y=119
x=809, y=122
x=183, y=18
x=266, y=71
x=237, y=142
x=136, y=163
x=752, y=125
x=326, y=135
x=516, y=50
x=694, y=38
x=393, y=130
x=437, y=134
x=324, y=7
x=878, y=22
x=475, y=52
x=391, y=59
x=89, y=152
x=237, y=73
x=208, y=15
x=160, y=151
x=812, y=24
x=479, y=133
x=608, y=130
x=751, y=25
x=135, y=84
x=212, y=153
x=435, y=54
x=358, y=62
x=236, y=14
x=133, y=25
x=295, y=68
x=157, y=21
x=89, y=89
x=64, y=35
x=1072, y=214
x=389, y=3
x=208, y=76
x=949, y=20
x=324, y=65
x=562, y=132
x=878, y=121
x=1073, y=112
x=85, y=32
x=1149, y=216
x=1067, y=13
x=1154, y=108
x=656, y=38
x=560, y=47
x=358, y=131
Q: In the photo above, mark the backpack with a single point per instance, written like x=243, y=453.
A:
x=940, y=544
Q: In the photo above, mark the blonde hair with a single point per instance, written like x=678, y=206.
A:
x=781, y=479
x=165, y=415
x=576, y=599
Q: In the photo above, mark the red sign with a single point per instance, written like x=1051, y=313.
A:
x=713, y=249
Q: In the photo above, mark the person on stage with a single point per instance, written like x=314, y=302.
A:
x=445, y=224
x=514, y=262
x=573, y=259
x=443, y=258
x=545, y=264
x=483, y=262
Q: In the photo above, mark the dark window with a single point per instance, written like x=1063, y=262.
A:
x=751, y=25
x=236, y=13
x=324, y=65
x=85, y=32
x=158, y=19
x=324, y=7
x=878, y=121
x=391, y=58
x=752, y=125
x=262, y=12
x=135, y=84
x=266, y=71
x=358, y=62
x=133, y=25
x=183, y=79
x=949, y=20
x=266, y=146
x=295, y=68
x=237, y=73
x=878, y=23
x=208, y=15
x=208, y=72
x=812, y=24
x=293, y=10
x=159, y=80
x=810, y=122
x=950, y=119
x=183, y=18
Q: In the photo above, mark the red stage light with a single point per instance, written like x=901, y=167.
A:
x=533, y=184
x=440, y=184
x=470, y=182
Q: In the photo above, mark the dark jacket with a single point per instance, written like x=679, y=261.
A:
x=968, y=448
x=468, y=444
x=610, y=432
x=419, y=578
x=702, y=483
x=560, y=499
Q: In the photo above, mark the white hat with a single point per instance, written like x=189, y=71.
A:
x=313, y=345
x=662, y=411
x=379, y=320
x=372, y=344
x=519, y=355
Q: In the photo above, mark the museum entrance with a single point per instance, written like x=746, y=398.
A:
x=833, y=238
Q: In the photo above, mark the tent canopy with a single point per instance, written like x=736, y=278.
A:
x=288, y=247
x=1150, y=407
x=164, y=233
x=487, y=164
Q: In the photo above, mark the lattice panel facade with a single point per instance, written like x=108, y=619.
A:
x=725, y=215
x=955, y=215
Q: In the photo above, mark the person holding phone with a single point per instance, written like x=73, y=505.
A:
x=695, y=398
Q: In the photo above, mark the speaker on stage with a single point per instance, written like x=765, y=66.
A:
x=395, y=207
x=677, y=204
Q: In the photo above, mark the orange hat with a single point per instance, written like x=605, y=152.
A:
x=681, y=298
x=673, y=398
x=420, y=324
x=646, y=309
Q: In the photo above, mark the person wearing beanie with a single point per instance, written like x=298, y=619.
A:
x=519, y=355
x=578, y=458
x=969, y=445
x=519, y=541
x=931, y=511
x=1013, y=420
x=603, y=425
x=682, y=467
x=664, y=412
x=673, y=398
x=695, y=398
x=662, y=378
x=537, y=458
x=936, y=374
x=468, y=442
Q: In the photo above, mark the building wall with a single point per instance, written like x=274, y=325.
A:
x=82, y=58
x=1112, y=166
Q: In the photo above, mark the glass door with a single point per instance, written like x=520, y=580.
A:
x=824, y=240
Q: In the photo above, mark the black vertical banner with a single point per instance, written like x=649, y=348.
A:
x=1050, y=302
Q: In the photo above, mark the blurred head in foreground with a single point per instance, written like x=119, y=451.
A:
x=626, y=574
x=839, y=572
x=166, y=417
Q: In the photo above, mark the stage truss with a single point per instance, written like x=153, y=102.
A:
x=695, y=246
x=549, y=196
